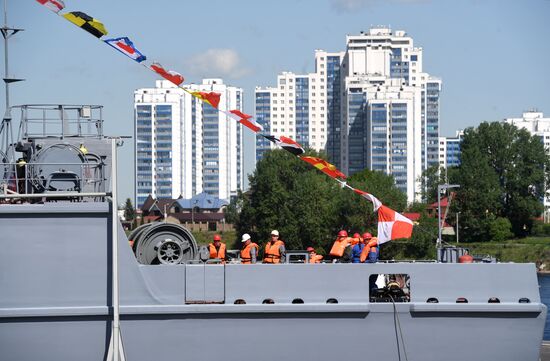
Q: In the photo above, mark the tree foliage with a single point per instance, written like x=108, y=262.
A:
x=307, y=207
x=129, y=211
x=502, y=175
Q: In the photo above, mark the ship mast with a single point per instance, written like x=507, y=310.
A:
x=6, y=131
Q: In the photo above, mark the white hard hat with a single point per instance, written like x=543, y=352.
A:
x=275, y=232
x=246, y=237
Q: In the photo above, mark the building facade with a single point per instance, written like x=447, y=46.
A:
x=371, y=106
x=184, y=146
x=449, y=150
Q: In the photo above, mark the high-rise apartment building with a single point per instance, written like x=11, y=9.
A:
x=303, y=107
x=184, y=146
x=372, y=106
x=449, y=150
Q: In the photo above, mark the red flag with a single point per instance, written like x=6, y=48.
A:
x=246, y=120
x=169, y=75
x=324, y=166
x=392, y=225
x=211, y=98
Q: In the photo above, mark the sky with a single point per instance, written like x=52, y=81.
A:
x=492, y=55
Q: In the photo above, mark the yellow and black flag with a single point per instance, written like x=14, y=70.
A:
x=86, y=22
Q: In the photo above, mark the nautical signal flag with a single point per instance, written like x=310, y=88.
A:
x=375, y=202
x=286, y=143
x=211, y=98
x=86, y=22
x=169, y=75
x=126, y=47
x=392, y=225
x=54, y=5
x=246, y=120
x=324, y=166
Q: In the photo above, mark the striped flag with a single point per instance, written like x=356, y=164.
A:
x=246, y=120
x=286, y=143
x=172, y=76
x=324, y=166
x=392, y=225
x=126, y=47
x=54, y=5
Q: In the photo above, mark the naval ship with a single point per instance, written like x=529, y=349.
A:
x=72, y=288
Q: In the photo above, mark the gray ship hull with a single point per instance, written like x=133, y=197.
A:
x=55, y=302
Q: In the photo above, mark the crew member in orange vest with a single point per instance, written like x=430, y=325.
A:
x=356, y=239
x=249, y=250
x=341, y=249
x=274, y=251
x=217, y=249
x=371, y=251
x=313, y=256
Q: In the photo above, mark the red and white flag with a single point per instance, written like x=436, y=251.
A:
x=170, y=75
x=245, y=120
x=392, y=225
x=54, y=5
x=375, y=202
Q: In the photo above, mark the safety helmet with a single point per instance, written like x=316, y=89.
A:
x=217, y=237
x=310, y=249
x=245, y=238
x=342, y=233
x=356, y=235
x=367, y=235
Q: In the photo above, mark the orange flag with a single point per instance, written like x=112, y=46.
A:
x=211, y=98
x=324, y=166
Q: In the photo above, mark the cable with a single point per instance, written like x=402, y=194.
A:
x=397, y=325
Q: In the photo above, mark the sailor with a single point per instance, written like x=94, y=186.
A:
x=274, y=251
x=371, y=251
x=249, y=250
x=313, y=256
x=217, y=248
x=341, y=249
x=356, y=251
x=356, y=239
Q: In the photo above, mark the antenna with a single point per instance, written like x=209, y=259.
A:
x=6, y=132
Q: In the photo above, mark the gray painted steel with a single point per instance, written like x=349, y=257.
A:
x=55, y=295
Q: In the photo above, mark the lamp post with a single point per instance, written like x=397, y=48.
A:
x=441, y=187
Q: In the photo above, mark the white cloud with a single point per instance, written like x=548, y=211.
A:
x=223, y=63
x=353, y=5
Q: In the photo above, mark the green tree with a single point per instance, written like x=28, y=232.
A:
x=289, y=195
x=233, y=209
x=502, y=174
x=129, y=211
x=499, y=229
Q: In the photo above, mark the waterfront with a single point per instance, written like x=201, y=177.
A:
x=544, y=283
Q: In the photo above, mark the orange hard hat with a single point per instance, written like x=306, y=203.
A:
x=367, y=235
x=342, y=233
x=217, y=237
x=356, y=235
x=310, y=249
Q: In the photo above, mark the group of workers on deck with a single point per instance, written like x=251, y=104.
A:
x=356, y=249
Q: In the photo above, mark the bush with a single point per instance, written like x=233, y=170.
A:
x=500, y=229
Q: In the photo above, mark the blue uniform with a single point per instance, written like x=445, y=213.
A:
x=356, y=252
x=373, y=255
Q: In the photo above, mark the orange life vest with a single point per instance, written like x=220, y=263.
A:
x=315, y=259
x=373, y=242
x=220, y=253
x=339, y=246
x=272, y=252
x=246, y=258
x=354, y=241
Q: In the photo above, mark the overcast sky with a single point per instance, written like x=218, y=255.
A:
x=492, y=55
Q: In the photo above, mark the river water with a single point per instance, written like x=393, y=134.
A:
x=544, y=283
